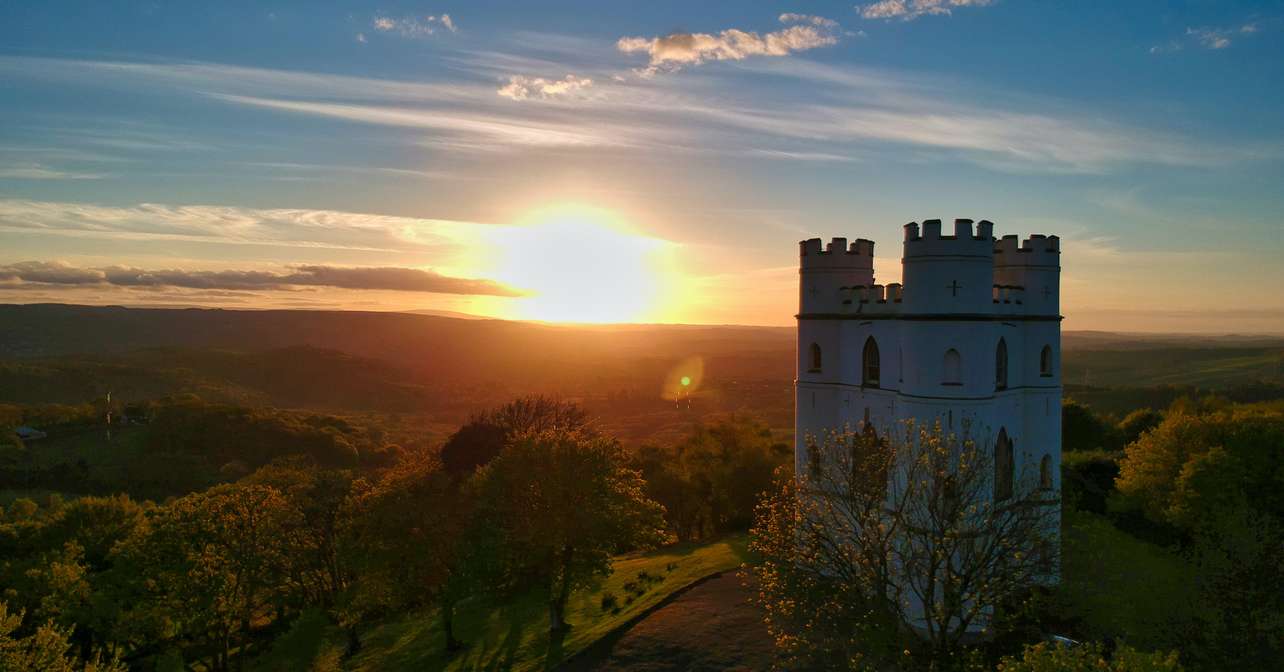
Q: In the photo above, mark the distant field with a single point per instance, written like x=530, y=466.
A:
x=1208, y=367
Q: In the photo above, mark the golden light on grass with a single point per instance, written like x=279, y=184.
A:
x=581, y=264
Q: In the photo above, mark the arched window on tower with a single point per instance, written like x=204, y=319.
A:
x=869, y=363
x=952, y=373
x=1001, y=366
x=1004, y=467
x=1045, y=361
x=1045, y=472
x=815, y=359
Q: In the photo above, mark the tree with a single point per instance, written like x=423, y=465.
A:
x=317, y=571
x=404, y=539
x=1216, y=475
x=562, y=502
x=711, y=480
x=1137, y=423
x=44, y=650
x=207, y=565
x=883, y=538
x=55, y=566
x=1193, y=466
x=1081, y=429
x=482, y=438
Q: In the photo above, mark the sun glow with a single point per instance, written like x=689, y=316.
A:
x=582, y=264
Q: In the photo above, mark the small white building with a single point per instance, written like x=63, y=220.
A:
x=29, y=433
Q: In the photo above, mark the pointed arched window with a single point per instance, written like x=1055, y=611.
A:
x=1045, y=472
x=952, y=373
x=1001, y=366
x=869, y=363
x=1045, y=361
x=815, y=358
x=1004, y=467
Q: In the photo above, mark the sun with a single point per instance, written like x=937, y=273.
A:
x=580, y=263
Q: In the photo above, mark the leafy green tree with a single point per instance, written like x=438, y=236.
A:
x=404, y=539
x=1192, y=467
x=482, y=438
x=711, y=480
x=318, y=497
x=1218, y=477
x=44, y=650
x=562, y=503
x=1081, y=429
x=1137, y=423
x=208, y=565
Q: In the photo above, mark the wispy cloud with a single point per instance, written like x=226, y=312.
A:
x=790, y=17
x=226, y=225
x=849, y=112
x=360, y=278
x=522, y=88
x=1206, y=37
x=1219, y=38
x=530, y=133
x=37, y=171
x=677, y=49
x=413, y=27
x=908, y=10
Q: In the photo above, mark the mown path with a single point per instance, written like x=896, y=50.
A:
x=710, y=627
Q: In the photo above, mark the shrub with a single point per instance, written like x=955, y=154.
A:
x=1045, y=657
x=610, y=602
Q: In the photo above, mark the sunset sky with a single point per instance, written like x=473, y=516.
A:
x=645, y=162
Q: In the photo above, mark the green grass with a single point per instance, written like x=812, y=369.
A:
x=1121, y=586
x=514, y=636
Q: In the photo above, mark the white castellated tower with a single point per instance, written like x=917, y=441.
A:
x=973, y=335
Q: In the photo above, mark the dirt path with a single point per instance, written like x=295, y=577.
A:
x=710, y=627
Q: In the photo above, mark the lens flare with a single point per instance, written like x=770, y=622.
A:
x=683, y=380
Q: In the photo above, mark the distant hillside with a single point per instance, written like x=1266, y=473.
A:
x=449, y=366
x=485, y=351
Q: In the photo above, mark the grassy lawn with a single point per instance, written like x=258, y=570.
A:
x=1121, y=586
x=514, y=636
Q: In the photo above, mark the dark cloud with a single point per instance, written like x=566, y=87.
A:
x=52, y=273
x=388, y=278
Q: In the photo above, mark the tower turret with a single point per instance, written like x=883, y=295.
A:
x=948, y=273
x=828, y=276
x=1035, y=266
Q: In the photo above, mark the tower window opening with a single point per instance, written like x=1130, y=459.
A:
x=1001, y=366
x=953, y=369
x=1045, y=361
x=1004, y=467
x=815, y=359
x=869, y=363
x=1045, y=472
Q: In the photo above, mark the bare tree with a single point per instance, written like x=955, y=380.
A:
x=908, y=536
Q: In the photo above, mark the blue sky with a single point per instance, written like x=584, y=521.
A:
x=384, y=156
